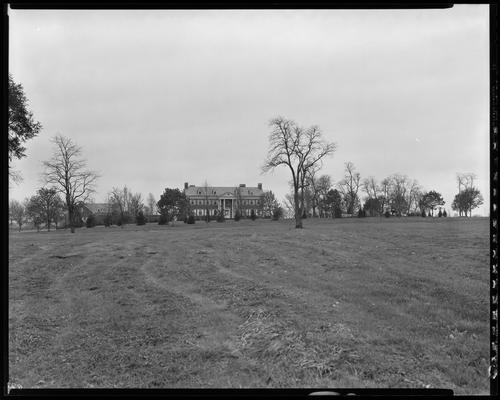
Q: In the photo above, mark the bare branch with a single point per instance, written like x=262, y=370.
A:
x=67, y=171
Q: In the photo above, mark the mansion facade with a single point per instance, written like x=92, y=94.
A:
x=226, y=199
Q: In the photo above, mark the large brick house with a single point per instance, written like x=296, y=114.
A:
x=228, y=199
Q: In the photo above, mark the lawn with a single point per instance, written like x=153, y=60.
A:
x=373, y=302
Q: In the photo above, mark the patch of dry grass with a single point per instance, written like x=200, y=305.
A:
x=344, y=303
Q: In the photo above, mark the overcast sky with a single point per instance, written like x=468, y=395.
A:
x=159, y=98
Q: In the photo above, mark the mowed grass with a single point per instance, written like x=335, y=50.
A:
x=398, y=302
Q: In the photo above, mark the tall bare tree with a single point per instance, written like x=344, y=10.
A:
x=68, y=172
x=151, y=204
x=135, y=204
x=414, y=194
x=298, y=149
x=385, y=193
x=349, y=187
x=370, y=187
x=465, y=184
x=465, y=181
x=118, y=198
x=398, y=195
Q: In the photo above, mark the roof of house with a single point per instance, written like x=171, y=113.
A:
x=96, y=208
x=220, y=190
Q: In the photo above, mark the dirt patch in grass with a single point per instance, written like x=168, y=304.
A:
x=343, y=303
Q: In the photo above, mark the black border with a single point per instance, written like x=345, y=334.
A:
x=259, y=4
x=494, y=187
x=222, y=4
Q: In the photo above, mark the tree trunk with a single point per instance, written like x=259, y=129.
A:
x=298, y=215
x=71, y=216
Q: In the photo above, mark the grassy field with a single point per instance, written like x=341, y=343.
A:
x=344, y=303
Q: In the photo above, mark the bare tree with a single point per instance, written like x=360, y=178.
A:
x=34, y=211
x=151, y=204
x=349, y=187
x=300, y=150
x=56, y=212
x=118, y=198
x=135, y=204
x=323, y=186
x=371, y=187
x=288, y=202
x=48, y=203
x=67, y=170
x=314, y=187
x=414, y=194
x=269, y=203
x=465, y=181
x=17, y=212
x=385, y=192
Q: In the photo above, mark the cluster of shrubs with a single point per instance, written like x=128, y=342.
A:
x=422, y=214
x=361, y=213
x=114, y=219
x=91, y=222
x=440, y=214
x=163, y=219
x=140, y=219
x=277, y=213
x=220, y=217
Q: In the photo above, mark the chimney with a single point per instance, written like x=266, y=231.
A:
x=242, y=185
x=259, y=185
x=185, y=185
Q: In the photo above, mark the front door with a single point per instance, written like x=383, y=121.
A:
x=228, y=208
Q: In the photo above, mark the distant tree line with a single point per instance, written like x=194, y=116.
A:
x=395, y=195
x=69, y=184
